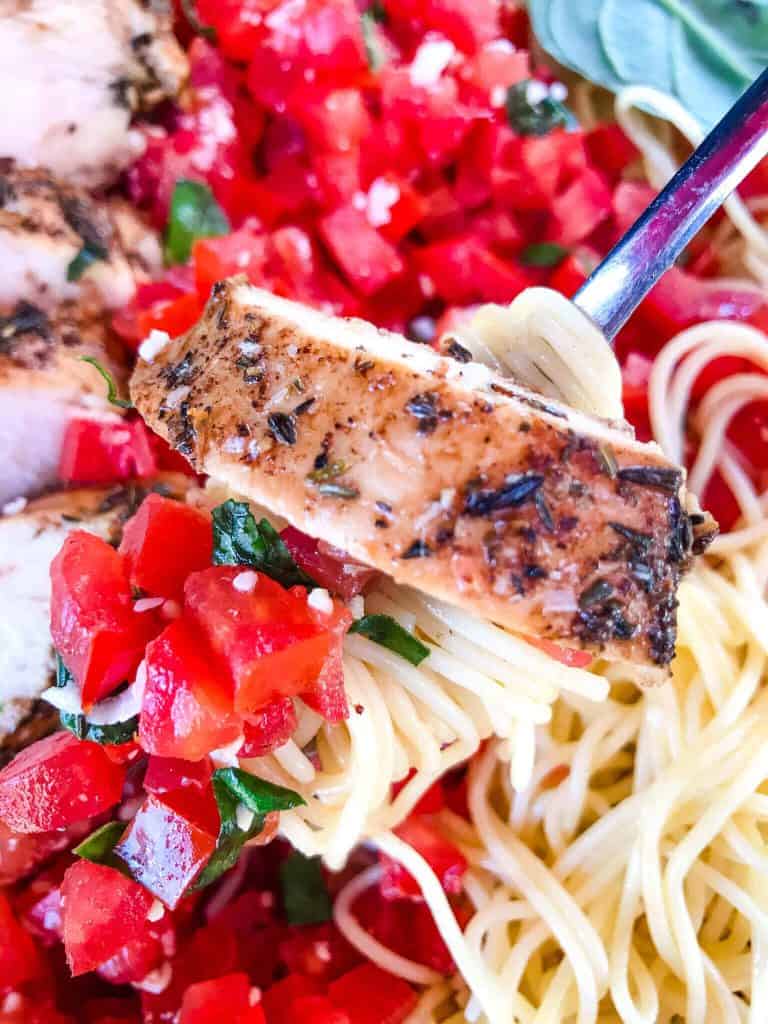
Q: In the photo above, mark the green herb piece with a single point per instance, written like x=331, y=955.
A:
x=702, y=52
x=328, y=472
x=194, y=214
x=231, y=838
x=543, y=254
x=332, y=490
x=208, y=32
x=107, y=735
x=112, y=396
x=239, y=540
x=385, y=630
x=63, y=676
x=257, y=794
x=305, y=896
x=535, y=117
x=98, y=847
x=88, y=255
x=374, y=49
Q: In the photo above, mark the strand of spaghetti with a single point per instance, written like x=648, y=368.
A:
x=363, y=941
x=496, y=1005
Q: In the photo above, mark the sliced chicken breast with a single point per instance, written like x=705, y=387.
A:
x=58, y=244
x=440, y=473
x=30, y=537
x=43, y=384
x=73, y=74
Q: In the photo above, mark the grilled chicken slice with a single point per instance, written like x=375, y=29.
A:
x=73, y=74
x=43, y=384
x=29, y=540
x=440, y=473
x=59, y=244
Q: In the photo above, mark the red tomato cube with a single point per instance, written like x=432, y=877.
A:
x=19, y=959
x=269, y=728
x=98, y=451
x=368, y=260
x=272, y=643
x=372, y=996
x=582, y=207
x=165, y=774
x=463, y=270
x=330, y=567
x=279, y=1001
x=165, y=850
x=204, y=1002
x=103, y=910
x=448, y=863
x=163, y=543
x=319, y=1010
x=187, y=708
x=242, y=252
x=57, y=781
x=93, y=624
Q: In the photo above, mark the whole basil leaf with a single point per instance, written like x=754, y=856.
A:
x=239, y=540
x=194, y=214
x=702, y=52
x=305, y=896
x=257, y=794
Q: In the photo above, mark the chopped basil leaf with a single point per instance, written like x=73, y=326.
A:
x=190, y=13
x=543, y=254
x=106, y=735
x=88, y=255
x=535, y=117
x=231, y=837
x=257, y=794
x=98, y=847
x=374, y=50
x=194, y=214
x=385, y=630
x=63, y=676
x=112, y=396
x=239, y=540
x=305, y=896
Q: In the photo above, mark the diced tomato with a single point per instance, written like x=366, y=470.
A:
x=406, y=927
x=38, y=906
x=635, y=374
x=93, y=624
x=327, y=695
x=204, y=1002
x=680, y=300
x=102, y=911
x=239, y=24
x=568, y=277
x=330, y=567
x=187, y=708
x=242, y=252
x=273, y=643
x=163, y=543
x=495, y=66
x=448, y=863
x=630, y=199
x=165, y=774
x=430, y=803
x=464, y=270
x=566, y=655
x=467, y=23
x=19, y=958
x=749, y=432
x=526, y=171
x=318, y=951
x=57, y=781
x=164, y=849
x=720, y=501
x=402, y=207
x=367, y=259
x=319, y=1010
x=280, y=999
x=269, y=728
x=610, y=149
x=97, y=451
x=371, y=996
x=175, y=316
x=581, y=208
x=22, y=852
